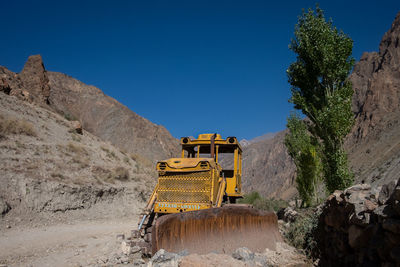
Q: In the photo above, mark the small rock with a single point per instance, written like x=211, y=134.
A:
x=8, y=226
x=124, y=259
x=4, y=207
x=77, y=127
x=135, y=249
x=165, y=258
x=120, y=237
x=369, y=205
x=356, y=188
x=386, y=192
x=243, y=254
x=126, y=247
x=260, y=260
x=139, y=262
x=289, y=215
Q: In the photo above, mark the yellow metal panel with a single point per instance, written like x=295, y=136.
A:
x=179, y=190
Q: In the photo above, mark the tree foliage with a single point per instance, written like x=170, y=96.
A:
x=303, y=148
x=321, y=90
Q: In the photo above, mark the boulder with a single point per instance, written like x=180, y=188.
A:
x=163, y=258
x=289, y=214
x=76, y=127
x=4, y=207
x=386, y=191
x=243, y=254
x=356, y=227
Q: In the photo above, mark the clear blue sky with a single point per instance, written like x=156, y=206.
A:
x=192, y=66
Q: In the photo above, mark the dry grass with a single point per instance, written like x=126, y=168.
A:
x=75, y=137
x=110, y=154
x=121, y=173
x=76, y=148
x=81, y=162
x=109, y=176
x=16, y=126
x=58, y=176
x=142, y=161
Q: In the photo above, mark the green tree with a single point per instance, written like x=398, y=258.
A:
x=303, y=148
x=321, y=90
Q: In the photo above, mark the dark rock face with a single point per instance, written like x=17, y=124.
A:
x=357, y=229
x=10, y=82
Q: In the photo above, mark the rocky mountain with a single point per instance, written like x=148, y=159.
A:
x=245, y=142
x=268, y=169
x=374, y=142
x=97, y=112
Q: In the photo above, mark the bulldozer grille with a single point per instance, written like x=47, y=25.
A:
x=185, y=187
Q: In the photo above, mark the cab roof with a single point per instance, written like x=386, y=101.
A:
x=227, y=145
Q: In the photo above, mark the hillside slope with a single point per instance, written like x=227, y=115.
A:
x=98, y=113
x=49, y=171
x=268, y=169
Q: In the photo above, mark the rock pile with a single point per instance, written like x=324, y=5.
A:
x=284, y=255
x=361, y=226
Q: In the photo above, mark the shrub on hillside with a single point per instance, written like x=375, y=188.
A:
x=255, y=199
x=121, y=173
x=16, y=126
x=300, y=232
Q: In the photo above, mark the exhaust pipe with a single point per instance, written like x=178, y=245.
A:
x=212, y=148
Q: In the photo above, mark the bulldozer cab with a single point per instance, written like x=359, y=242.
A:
x=214, y=147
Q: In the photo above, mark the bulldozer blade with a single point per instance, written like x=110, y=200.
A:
x=219, y=230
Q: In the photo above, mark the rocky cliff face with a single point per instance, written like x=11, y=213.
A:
x=373, y=144
x=97, y=112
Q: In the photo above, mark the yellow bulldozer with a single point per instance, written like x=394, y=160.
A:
x=193, y=206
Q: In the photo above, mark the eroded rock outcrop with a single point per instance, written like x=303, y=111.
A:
x=35, y=80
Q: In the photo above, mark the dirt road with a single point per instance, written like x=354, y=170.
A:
x=77, y=244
